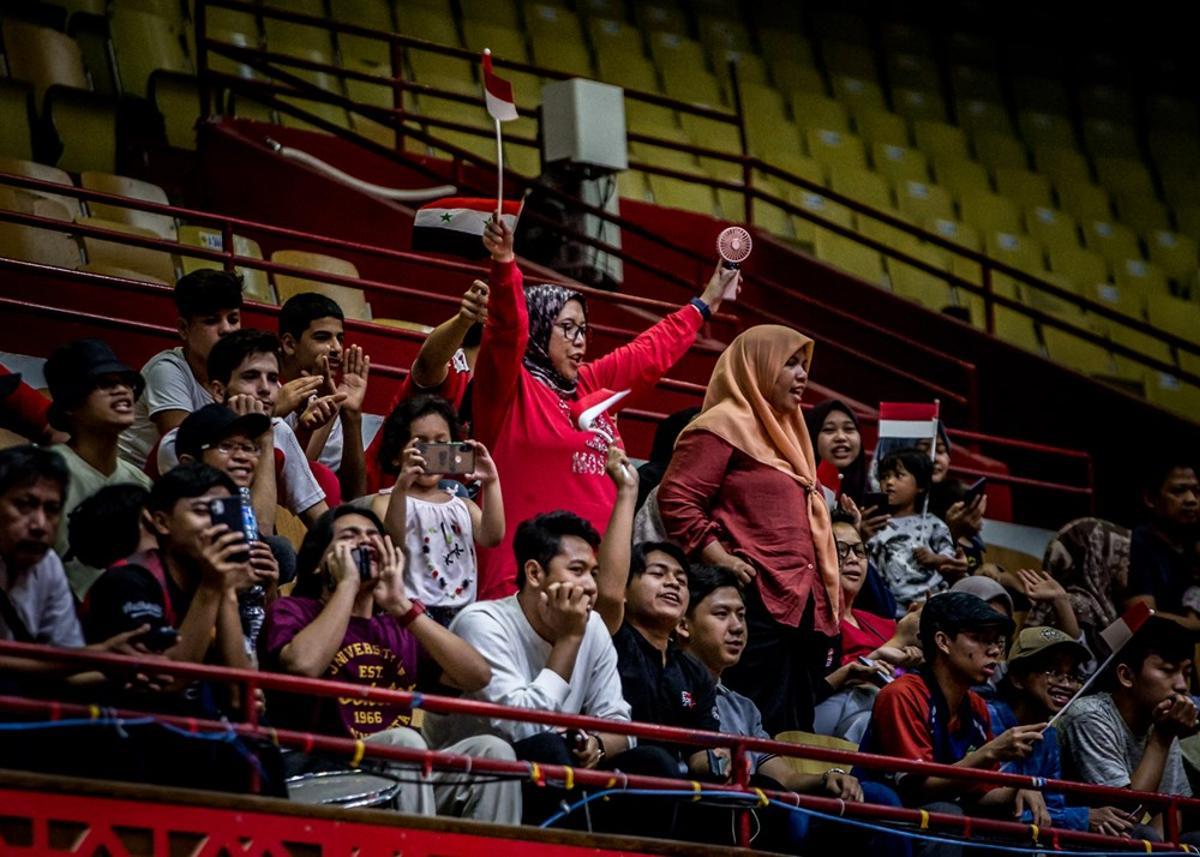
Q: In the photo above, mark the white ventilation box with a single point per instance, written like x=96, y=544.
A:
x=583, y=122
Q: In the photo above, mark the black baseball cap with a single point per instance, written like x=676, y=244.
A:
x=954, y=612
x=72, y=371
x=212, y=424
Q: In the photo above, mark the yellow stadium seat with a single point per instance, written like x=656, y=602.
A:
x=861, y=185
x=818, y=111
x=978, y=115
x=794, y=76
x=1020, y=251
x=175, y=97
x=46, y=173
x=999, y=151
x=99, y=251
x=552, y=21
x=973, y=82
x=1078, y=354
x=690, y=84
x=143, y=44
x=671, y=50
x=38, y=245
x=1084, y=201
x=880, y=127
x=851, y=257
x=614, y=39
x=1043, y=300
x=923, y=201
x=352, y=301
x=326, y=81
x=1144, y=344
x=86, y=125
x=161, y=225
x=505, y=42
x=1124, y=176
x=429, y=24
x=940, y=141
x=771, y=217
x=1051, y=227
x=1175, y=316
x=1114, y=242
x=123, y=273
x=813, y=766
x=255, y=283
x=668, y=154
x=1140, y=275
x=919, y=105
x=570, y=57
x=17, y=199
x=1016, y=328
x=857, y=94
x=500, y=12
x=820, y=207
x=1188, y=218
x=676, y=193
x=1103, y=137
x=750, y=68
x=16, y=120
x=300, y=40
x=719, y=33
x=927, y=289
x=1174, y=253
x=1143, y=214
x=990, y=212
x=1062, y=165
x=761, y=103
x=780, y=146
x=850, y=59
x=912, y=71
x=1181, y=188
x=43, y=57
x=1023, y=186
x=961, y=177
x=1107, y=102
x=892, y=236
x=903, y=39
x=835, y=148
x=632, y=71
x=1046, y=129
x=1126, y=301
x=1084, y=268
x=962, y=234
x=779, y=43
x=898, y=163
x=1172, y=394
x=664, y=17
x=631, y=184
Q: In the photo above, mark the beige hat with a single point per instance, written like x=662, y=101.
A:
x=1033, y=641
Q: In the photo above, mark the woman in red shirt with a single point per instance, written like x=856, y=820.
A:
x=741, y=492
x=530, y=369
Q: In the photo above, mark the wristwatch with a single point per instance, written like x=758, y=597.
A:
x=411, y=614
x=599, y=746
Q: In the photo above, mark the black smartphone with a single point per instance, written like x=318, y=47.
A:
x=159, y=639
x=454, y=458
x=717, y=764
x=878, y=499
x=876, y=677
x=975, y=490
x=232, y=513
x=362, y=558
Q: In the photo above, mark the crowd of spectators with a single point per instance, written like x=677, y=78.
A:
x=724, y=585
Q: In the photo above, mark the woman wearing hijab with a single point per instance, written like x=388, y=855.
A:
x=833, y=428
x=529, y=371
x=741, y=492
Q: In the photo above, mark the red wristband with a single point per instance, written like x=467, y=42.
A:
x=413, y=612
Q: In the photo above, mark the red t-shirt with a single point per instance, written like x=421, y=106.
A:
x=544, y=460
x=24, y=408
x=873, y=632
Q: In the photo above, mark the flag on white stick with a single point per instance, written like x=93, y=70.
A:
x=916, y=420
x=497, y=93
x=455, y=224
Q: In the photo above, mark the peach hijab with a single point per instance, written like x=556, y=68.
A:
x=737, y=410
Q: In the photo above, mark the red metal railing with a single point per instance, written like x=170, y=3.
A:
x=296, y=86
x=250, y=681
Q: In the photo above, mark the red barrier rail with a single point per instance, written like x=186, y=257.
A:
x=251, y=681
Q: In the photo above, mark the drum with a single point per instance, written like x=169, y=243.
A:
x=351, y=789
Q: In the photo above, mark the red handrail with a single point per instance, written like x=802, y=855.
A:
x=250, y=681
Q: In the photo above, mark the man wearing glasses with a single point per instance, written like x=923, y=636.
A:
x=932, y=715
x=1044, y=672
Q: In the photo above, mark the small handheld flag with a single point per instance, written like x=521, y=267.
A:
x=502, y=107
x=910, y=420
x=586, y=410
x=455, y=224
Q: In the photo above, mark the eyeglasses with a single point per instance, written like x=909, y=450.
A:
x=571, y=331
x=1056, y=677
x=844, y=550
x=229, y=447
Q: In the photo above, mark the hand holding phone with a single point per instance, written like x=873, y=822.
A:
x=878, y=500
x=232, y=512
x=453, y=458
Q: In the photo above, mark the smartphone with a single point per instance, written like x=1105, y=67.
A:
x=456, y=458
x=878, y=499
x=362, y=558
x=717, y=764
x=159, y=639
x=876, y=676
x=975, y=490
x=239, y=517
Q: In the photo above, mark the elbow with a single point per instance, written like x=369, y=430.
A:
x=292, y=663
x=476, y=677
x=492, y=539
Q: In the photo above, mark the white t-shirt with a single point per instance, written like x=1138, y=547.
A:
x=42, y=598
x=517, y=654
x=86, y=481
x=331, y=452
x=298, y=490
x=441, y=570
x=170, y=386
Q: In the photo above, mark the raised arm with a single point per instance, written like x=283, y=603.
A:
x=429, y=369
x=352, y=473
x=311, y=650
x=498, y=368
x=618, y=539
x=642, y=362
x=487, y=521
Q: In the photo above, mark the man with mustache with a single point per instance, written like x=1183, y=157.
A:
x=93, y=395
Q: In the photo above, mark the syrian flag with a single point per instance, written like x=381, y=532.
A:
x=915, y=420
x=497, y=93
x=455, y=224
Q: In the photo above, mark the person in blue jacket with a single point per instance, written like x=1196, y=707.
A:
x=1044, y=672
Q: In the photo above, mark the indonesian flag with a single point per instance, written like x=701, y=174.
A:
x=830, y=477
x=587, y=409
x=497, y=93
x=455, y=225
x=916, y=420
x=1121, y=631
